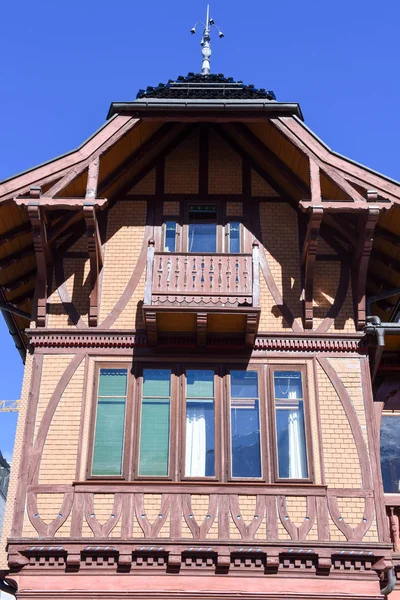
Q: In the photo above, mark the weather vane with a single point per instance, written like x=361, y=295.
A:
x=205, y=41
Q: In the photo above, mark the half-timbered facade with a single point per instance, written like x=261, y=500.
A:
x=197, y=416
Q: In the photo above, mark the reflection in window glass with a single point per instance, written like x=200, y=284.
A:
x=202, y=228
x=155, y=422
x=170, y=236
x=199, y=457
x=390, y=453
x=234, y=237
x=245, y=424
x=290, y=429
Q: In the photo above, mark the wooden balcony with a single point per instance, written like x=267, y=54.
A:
x=202, y=297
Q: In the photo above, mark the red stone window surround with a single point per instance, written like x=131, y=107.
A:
x=201, y=422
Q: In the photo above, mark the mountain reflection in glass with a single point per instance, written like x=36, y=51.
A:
x=245, y=425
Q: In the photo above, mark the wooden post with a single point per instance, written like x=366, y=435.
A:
x=256, y=274
x=42, y=254
x=94, y=250
x=149, y=274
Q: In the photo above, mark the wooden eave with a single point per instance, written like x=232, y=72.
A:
x=280, y=147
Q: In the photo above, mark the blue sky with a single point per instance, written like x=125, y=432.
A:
x=62, y=64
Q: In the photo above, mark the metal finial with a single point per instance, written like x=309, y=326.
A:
x=205, y=41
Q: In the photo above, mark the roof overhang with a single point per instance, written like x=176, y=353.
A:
x=204, y=109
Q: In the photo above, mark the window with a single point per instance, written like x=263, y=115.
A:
x=233, y=230
x=199, y=434
x=202, y=232
x=155, y=423
x=289, y=424
x=245, y=425
x=390, y=453
x=110, y=422
x=199, y=422
x=170, y=232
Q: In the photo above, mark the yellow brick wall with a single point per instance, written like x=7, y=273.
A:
x=182, y=167
x=60, y=451
x=171, y=208
x=234, y=209
x=280, y=240
x=125, y=234
x=147, y=185
x=259, y=187
x=326, y=281
x=224, y=168
x=342, y=467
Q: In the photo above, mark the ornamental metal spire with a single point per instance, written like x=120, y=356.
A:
x=205, y=41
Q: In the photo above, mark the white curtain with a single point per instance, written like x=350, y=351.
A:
x=297, y=451
x=195, y=463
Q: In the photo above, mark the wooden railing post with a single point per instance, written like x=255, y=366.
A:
x=149, y=273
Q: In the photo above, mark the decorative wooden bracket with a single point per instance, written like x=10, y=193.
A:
x=42, y=253
x=201, y=320
x=361, y=258
x=95, y=256
x=310, y=247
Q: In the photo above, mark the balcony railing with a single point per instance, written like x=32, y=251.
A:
x=202, y=278
x=393, y=513
x=200, y=285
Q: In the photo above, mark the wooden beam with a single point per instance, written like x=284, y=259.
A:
x=18, y=282
x=385, y=259
x=360, y=263
x=93, y=178
x=387, y=235
x=153, y=142
x=57, y=231
x=39, y=243
x=378, y=281
x=28, y=295
x=61, y=203
x=308, y=257
x=341, y=227
x=338, y=206
x=329, y=171
x=13, y=310
x=11, y=234
x=95, y=257
x=15, y=257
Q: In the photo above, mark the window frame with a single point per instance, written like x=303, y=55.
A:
x=264, y=450
x=174, y=408
x=307, y=425
x=128, y=422
x=389, y=410
x=217, y=422
x=222, y=422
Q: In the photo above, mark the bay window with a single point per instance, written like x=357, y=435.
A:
x=183, y=423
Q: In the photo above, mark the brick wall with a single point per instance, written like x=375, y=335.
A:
x=182, y=168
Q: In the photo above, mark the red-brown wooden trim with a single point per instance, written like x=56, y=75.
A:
x=48, y=529
x=352, y=417
x=33, y=398
x=48, y=415
x=102, y=530
x=95, y=256
x=41, y=252
x=56, y=169
x=319, y=423
x=348, y=169
x=310, y=251
x=361, y=258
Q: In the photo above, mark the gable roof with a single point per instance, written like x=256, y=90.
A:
x=127, y=145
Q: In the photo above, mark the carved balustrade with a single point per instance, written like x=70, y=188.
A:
x=224, y=287
x=219, y=279
x=393, y=513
